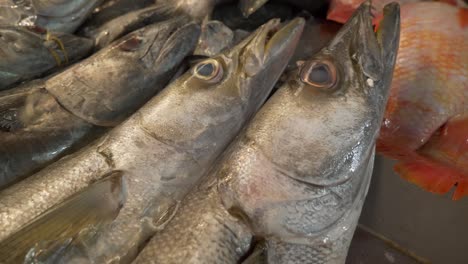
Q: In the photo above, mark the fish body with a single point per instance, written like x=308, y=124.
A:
x=164, y=148
x=128, y=22
x=110, y=9
x=29, y=53
x=71, y=108
x=197, y=9
x=430, y=88
x=298, y=174
x=59, y=16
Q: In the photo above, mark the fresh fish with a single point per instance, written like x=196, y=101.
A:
x=164, y=148
x=131, y=21
x=70, y=108
x=214, y=38
x=429, y=98
x=54, y=15
x=29, y=53
x=100, y=202
x=232, y=17
x=299, y=173
x=110, y=9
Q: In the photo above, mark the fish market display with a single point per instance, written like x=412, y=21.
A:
x=428, y=104
x=163, y=149
x=31, y=52
x=298, y=175
x=55, y=15
x=42, y=124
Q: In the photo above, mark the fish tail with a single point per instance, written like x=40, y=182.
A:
x=433, y=176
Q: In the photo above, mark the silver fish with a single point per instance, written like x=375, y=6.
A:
x=29, y=53
x=214, y=38
x=298, y=175
x=128, y=22
x=69, y=109
x=54, y=15
x=164, y=148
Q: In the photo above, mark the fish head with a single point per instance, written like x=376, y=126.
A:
x=316, y=135
x=160, y=47
x=225, y=90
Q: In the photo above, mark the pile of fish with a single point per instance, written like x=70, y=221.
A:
x=218, y=131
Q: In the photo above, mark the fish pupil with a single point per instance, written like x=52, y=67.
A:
x=206, y=69
x=320, y=74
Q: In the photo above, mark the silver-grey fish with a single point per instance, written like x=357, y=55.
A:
x=197, y=9
x=29, y=53
x=164, y=148
x=54, y=15
x=42, y=124
x=298, y=175
x=214, y=38
x=110, y=9
x=128, y=22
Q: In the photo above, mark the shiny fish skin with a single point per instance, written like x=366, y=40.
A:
x=55, y=15
x=67, y=110
x=163, y=149
x=128, y=22
x=298, y=174
x=27, y=54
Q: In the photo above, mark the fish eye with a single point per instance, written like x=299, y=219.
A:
x=209, y=70
x=321, y=74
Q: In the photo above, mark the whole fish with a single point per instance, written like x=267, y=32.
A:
x=55, y=15
x=31, y=52
x=425, y=125
x=164, y=148
x=69, y=108
x=110, y=9
x=128, y=22
x=298, y=175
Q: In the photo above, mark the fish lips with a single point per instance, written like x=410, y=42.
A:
x=268, y=43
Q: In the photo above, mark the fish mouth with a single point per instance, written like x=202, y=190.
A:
x=375, y=52
x=270, y=41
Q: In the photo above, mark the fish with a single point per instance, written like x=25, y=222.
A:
x=128, y=22
x=164, y=148
x=28, y=53
x=110, y=9
x=425, y=127
x=340, y=10
x=215, y=37
x=54, y=15
x=298, y=174
x=60, y=225
x=196, y=9
x=73, y=107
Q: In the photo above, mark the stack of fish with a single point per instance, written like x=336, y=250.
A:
x=210, y=131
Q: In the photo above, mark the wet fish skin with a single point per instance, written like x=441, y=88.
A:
x=298, y=174
x=197, y=9
x=163, y=149
x=110, y=9
x=74, y=107
x=60, y=16
x=128, y=22
x=27, y=54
